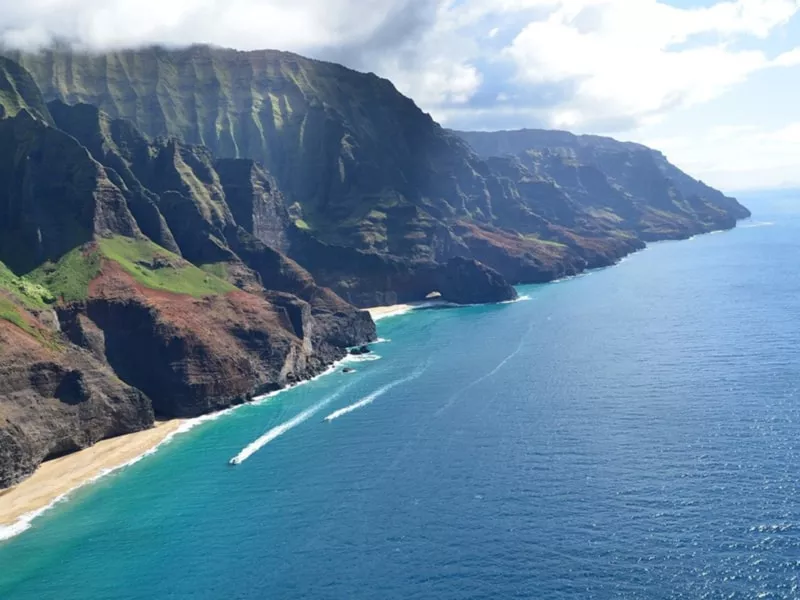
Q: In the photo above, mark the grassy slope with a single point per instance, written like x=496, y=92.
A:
x=159, y=269
x=20, y=294
x=68, y=279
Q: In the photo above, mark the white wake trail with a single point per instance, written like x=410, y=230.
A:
x=279, y=430
x=374, y=395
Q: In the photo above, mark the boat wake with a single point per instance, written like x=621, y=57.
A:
x=366, y=400
x=24, y=522
x=279, y=430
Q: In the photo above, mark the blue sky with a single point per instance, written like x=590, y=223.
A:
x=715, y=84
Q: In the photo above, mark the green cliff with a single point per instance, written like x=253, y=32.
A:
x=361, y=168
x=122, y=295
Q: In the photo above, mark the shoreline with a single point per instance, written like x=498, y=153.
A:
x=54, y=480
x=381, y=312
x=393, y=310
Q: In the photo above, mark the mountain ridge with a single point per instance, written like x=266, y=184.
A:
x=363, y=168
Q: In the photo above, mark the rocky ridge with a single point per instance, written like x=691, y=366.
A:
x=363, y=169
x=122, y=295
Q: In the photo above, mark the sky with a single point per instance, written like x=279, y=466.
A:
x=714, y=84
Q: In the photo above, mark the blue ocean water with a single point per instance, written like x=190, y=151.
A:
x=633, y=433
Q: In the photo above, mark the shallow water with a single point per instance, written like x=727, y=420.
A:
x=632, y=433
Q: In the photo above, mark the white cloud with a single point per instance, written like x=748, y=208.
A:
x=788, y=59
x=636, y=59
x=244, y=24
x=601, y=66
x=407, y=40
x=737, y=156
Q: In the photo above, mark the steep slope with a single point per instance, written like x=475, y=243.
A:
x=196, y=199
x=650, y=196
x=101, y=328
x=347, y=147
x=19, y=91
x=54, y=397
x=369, y=177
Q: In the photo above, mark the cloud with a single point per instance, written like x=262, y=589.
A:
x=409, y=41
x=246, y=24
x=737, y=156
x=636, y=60
x=606, y=66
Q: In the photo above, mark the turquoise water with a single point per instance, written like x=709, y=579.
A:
x=633, y=433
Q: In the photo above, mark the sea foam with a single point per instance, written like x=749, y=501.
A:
x=361, y=358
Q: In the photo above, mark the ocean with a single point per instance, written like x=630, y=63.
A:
x=630, y=433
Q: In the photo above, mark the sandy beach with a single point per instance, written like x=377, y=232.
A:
x=62, y=475
x=380, y=312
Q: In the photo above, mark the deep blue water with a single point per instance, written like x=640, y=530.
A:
x=633, y=433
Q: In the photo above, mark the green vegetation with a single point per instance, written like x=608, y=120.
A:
x=30, y=294
x=69, y=278
x=18, y=91
x=11, y=313
x=301, y=224
x=219, y=269
x=158, y=269
x=605, y=214
x=376, y=215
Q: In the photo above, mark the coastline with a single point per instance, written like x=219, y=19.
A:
x=56, y=479
x=381, y=312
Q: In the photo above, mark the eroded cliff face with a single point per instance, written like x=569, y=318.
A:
x=362, y=168
x=637, y=185
x=122, y=296
x=56, y=398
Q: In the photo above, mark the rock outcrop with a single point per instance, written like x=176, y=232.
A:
x=122, y=295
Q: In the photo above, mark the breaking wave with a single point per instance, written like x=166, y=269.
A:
x=520, y=299
x=351, y=358
x=755, y=224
